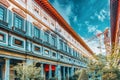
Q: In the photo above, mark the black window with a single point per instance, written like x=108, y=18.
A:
x=61, y=56
x=54, y=54
x=18, y=42
x=36, y=48
x=36, y=32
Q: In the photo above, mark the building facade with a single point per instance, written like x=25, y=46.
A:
x=115, y=22
x=32, y=30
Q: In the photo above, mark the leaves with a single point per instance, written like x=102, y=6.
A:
x=27, y=71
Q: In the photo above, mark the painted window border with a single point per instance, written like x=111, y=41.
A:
x=5, y=13
x=16, y=15
x=4, y=37
x=22, y=46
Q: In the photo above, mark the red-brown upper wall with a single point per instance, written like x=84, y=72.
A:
x=51, y=11
x=114, y=20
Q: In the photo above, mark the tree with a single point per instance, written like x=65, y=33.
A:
x=28, y=72
x=83, y=75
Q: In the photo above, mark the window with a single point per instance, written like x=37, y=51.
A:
x=54, y=54
x=61, y=44
x=52, y=24
x=18, y=23
x=45, y=18
x=65, y=47
x=37, y=32
x=46, y=35
x=69, y=50
x=36, y=48
x=2, y=13
x=36, y=9
x=54, y=41
x=46, y=52
x=61, y=56
x=18, y=42
x=2, y=37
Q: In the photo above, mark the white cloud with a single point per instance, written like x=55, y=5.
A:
x=94, y=46
x=92, y=28
x=75, y=18
x=91, y=17
x=102, y=15
x=66, y=12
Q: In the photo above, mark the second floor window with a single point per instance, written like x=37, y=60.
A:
x=53, y=41
x=2, y=13
x=65, y=47
x=18, y=22
x=61, y=44
x=36, y=32
x=46, y=37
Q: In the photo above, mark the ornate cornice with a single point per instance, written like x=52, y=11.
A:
x=5, y=3
x=20, y=12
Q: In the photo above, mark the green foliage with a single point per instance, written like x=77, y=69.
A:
x=53, y=78
x=28, y=72
x=105, y=66
x=83, y=75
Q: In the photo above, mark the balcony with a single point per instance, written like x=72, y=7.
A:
x=3, y=24
x=18, y=31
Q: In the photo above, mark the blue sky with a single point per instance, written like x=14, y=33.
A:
x=86, y=17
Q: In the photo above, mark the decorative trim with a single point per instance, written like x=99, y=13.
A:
x=37, y=24
x=5, y=3
x=20, y=12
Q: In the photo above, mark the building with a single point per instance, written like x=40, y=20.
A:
x=115, y=22
x=32, y=30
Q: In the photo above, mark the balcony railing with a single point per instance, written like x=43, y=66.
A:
x=3, y=24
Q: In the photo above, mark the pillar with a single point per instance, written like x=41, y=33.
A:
x=72, y=71
x=58, y=72
x=42, y=70
x=7, y=69
x=63, y=73
x=50, y=71
x=68, y=73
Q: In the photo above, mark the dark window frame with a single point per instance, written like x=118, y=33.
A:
x=46, y=37
x=47, y=51
x=61, y=44
x=37, y=47
x=35, y=33
x=54, y=41
x=53, y=54
x=17, y=44
x=22, y=22
x=4, y=37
